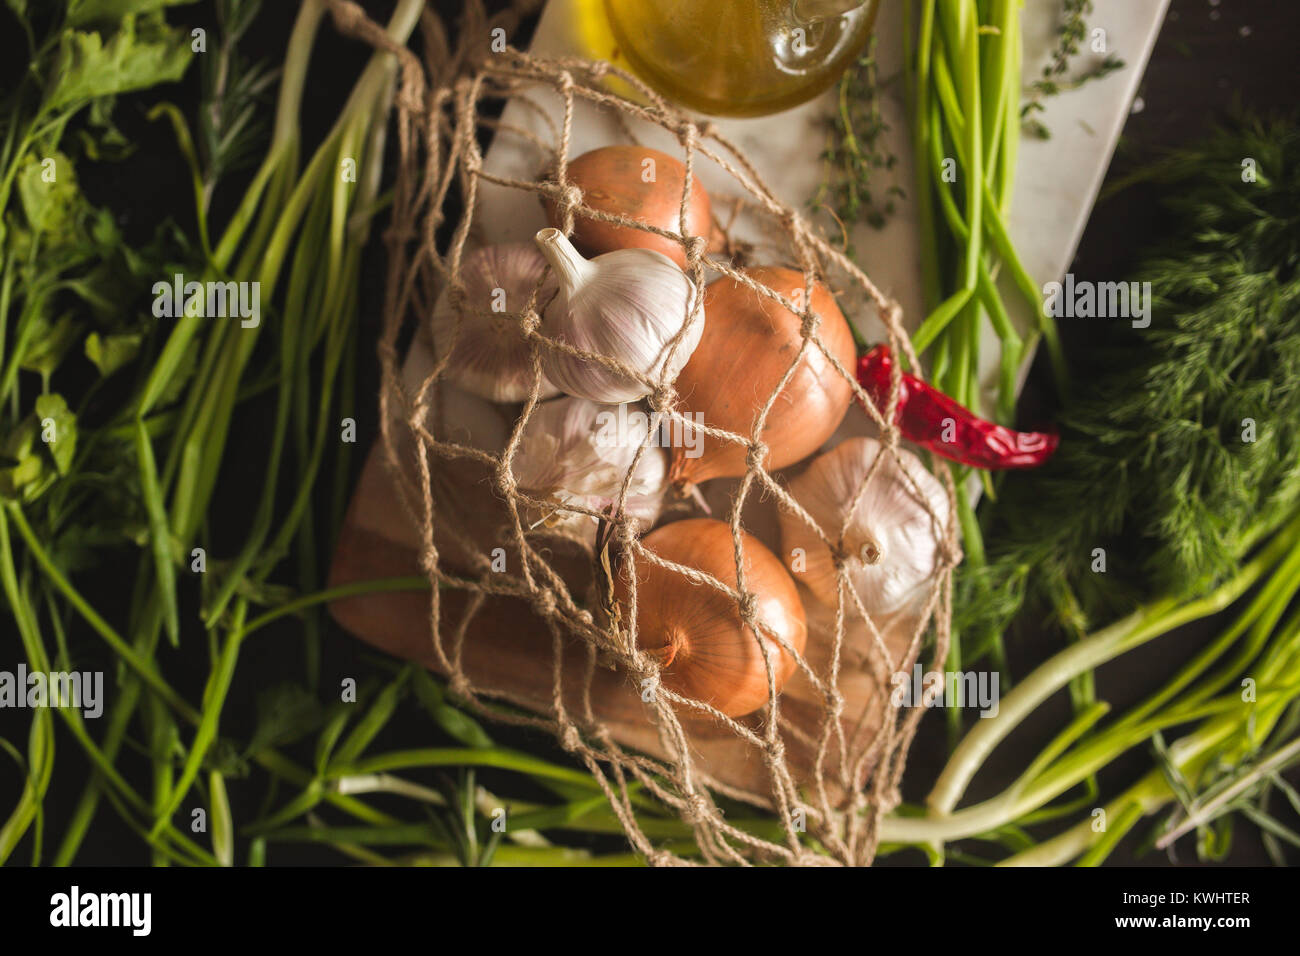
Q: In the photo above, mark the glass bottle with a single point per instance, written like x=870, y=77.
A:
x=740, y=57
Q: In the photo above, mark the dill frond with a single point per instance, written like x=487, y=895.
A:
x=1184, y=449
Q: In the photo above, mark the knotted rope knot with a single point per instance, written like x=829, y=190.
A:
x=626, y=531
x=840, y=558
x=529, y=320
x=811, y=323
x=834, y=700
x=776, y=749
x=660, y=858
x=429, y=559
x=570, y=739
x=568, y=198
x=459, y=686
x=663, y=398
x=893, y=314
x=543, y=601
x=599, y=69
x=755, y=456
x=409, y=98
x=503, y=484
x=696, y=246
x=888, y=800
x=696, y=809
x=566, y=82
x=747, y=604
x=949, y=555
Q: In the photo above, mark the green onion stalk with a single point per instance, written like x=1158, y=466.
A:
x=964, y=91
x=298, y=232
x=1241, y=693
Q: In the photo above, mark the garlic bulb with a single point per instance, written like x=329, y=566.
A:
x=490, y=356
x=890, y=542
x=625, y=305
x=577, y=453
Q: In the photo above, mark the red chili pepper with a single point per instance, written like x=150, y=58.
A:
x=931, y=419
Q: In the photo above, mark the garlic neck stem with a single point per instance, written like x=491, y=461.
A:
x=569, y=266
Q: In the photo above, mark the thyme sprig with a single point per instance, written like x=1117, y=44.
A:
x=856, y=152
x=1056, y=77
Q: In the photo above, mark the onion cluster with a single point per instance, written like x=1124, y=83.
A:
x=618, y=316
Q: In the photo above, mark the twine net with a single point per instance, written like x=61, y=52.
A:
x=445, y=102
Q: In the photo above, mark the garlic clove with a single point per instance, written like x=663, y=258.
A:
x=483, y=327
x=575, y=454
x=627, y=307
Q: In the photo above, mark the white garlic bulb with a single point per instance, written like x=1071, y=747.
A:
x=490, y=356
x=469, y=518
x=890, y=542
x=626, y=305
x=577, y=453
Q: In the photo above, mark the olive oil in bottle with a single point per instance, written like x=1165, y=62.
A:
x=740, y=57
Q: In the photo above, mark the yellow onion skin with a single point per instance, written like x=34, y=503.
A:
x=613, y=179
x=706, y=651
x=747, y=346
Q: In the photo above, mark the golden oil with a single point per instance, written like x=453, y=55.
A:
x=740, y=57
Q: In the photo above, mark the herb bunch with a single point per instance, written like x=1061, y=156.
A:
x=1183, y=453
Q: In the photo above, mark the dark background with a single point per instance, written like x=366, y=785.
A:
x=1209, y=60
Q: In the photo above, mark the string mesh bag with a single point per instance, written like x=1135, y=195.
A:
x=466, y=504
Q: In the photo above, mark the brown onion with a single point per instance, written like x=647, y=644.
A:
x=748, y=344
x=613, y=179
x=706, y=651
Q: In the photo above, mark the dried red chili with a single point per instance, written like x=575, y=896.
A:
x=931, y=419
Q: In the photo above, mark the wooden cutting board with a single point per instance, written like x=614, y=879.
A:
x=507, y=648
